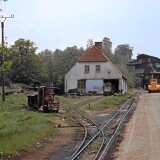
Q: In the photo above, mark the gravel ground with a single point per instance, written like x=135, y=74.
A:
x=141, y=137
x=66, y=152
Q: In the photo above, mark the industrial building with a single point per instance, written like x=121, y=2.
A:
x=144, y=68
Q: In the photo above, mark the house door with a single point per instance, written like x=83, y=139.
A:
x=94, y=85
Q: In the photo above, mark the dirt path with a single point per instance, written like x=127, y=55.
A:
x=64, y=136
x=142, y=133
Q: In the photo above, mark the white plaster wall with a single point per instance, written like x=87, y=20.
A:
x=123, y=85
x=77, y=73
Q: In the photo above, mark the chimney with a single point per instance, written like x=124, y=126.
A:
x=99, y=45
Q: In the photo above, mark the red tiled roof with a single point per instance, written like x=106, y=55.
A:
x=95, y=55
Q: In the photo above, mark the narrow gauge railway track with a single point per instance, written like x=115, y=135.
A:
x=116, y=120
x=129, y=108
x=87, y=136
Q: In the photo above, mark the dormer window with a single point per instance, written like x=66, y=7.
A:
x=86, y=69
x=98, y=68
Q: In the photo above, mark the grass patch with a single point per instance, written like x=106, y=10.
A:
x=13, y=102
x=110, y=101
x=21, y=128
x=67, y=100
x=95, y=148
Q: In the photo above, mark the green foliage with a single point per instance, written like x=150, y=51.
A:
x=22, y=47
x=107, y=47
x=95, y=148
x=58, y=63
x=122, y=54
x=27, y=70
x=21, y=128
x=6, y=66
x=5, y=54
x=130, y=77
x=5, y=51
x=27, y=65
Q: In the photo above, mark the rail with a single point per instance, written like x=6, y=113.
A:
x=79, y=150
x=107, y=147
x=100, y=131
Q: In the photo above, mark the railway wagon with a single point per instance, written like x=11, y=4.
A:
x=108, y=89
x=43, y=98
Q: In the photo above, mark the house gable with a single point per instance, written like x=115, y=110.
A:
x=95, y=54
x=93, y=70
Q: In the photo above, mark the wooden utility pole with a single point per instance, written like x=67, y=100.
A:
x=2, y=71
x=3, y=56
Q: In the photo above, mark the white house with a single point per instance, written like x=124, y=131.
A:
x=92, y=71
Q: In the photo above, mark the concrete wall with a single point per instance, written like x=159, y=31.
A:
x=107, y=72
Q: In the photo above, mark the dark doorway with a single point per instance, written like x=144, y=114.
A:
x=111, y=86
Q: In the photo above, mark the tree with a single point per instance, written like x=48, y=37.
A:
x=123, y=54
x=70, y=56
x=48, y=63
x=90, y=44
x=64, y=60
x=81, y=51
x=107, y=47
x=130, y=76
x=45, y=55
x=23, y=47
x=118, y=59
x=5, y=61
x=27, y=65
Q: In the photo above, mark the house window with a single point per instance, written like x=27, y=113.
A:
x=98, y=68
x=86, y=69
x=81, y=85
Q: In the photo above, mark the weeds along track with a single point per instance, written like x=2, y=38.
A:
x=80, y=103
x=104, y=135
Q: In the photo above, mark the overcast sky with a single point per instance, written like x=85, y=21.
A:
x=57, y=24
